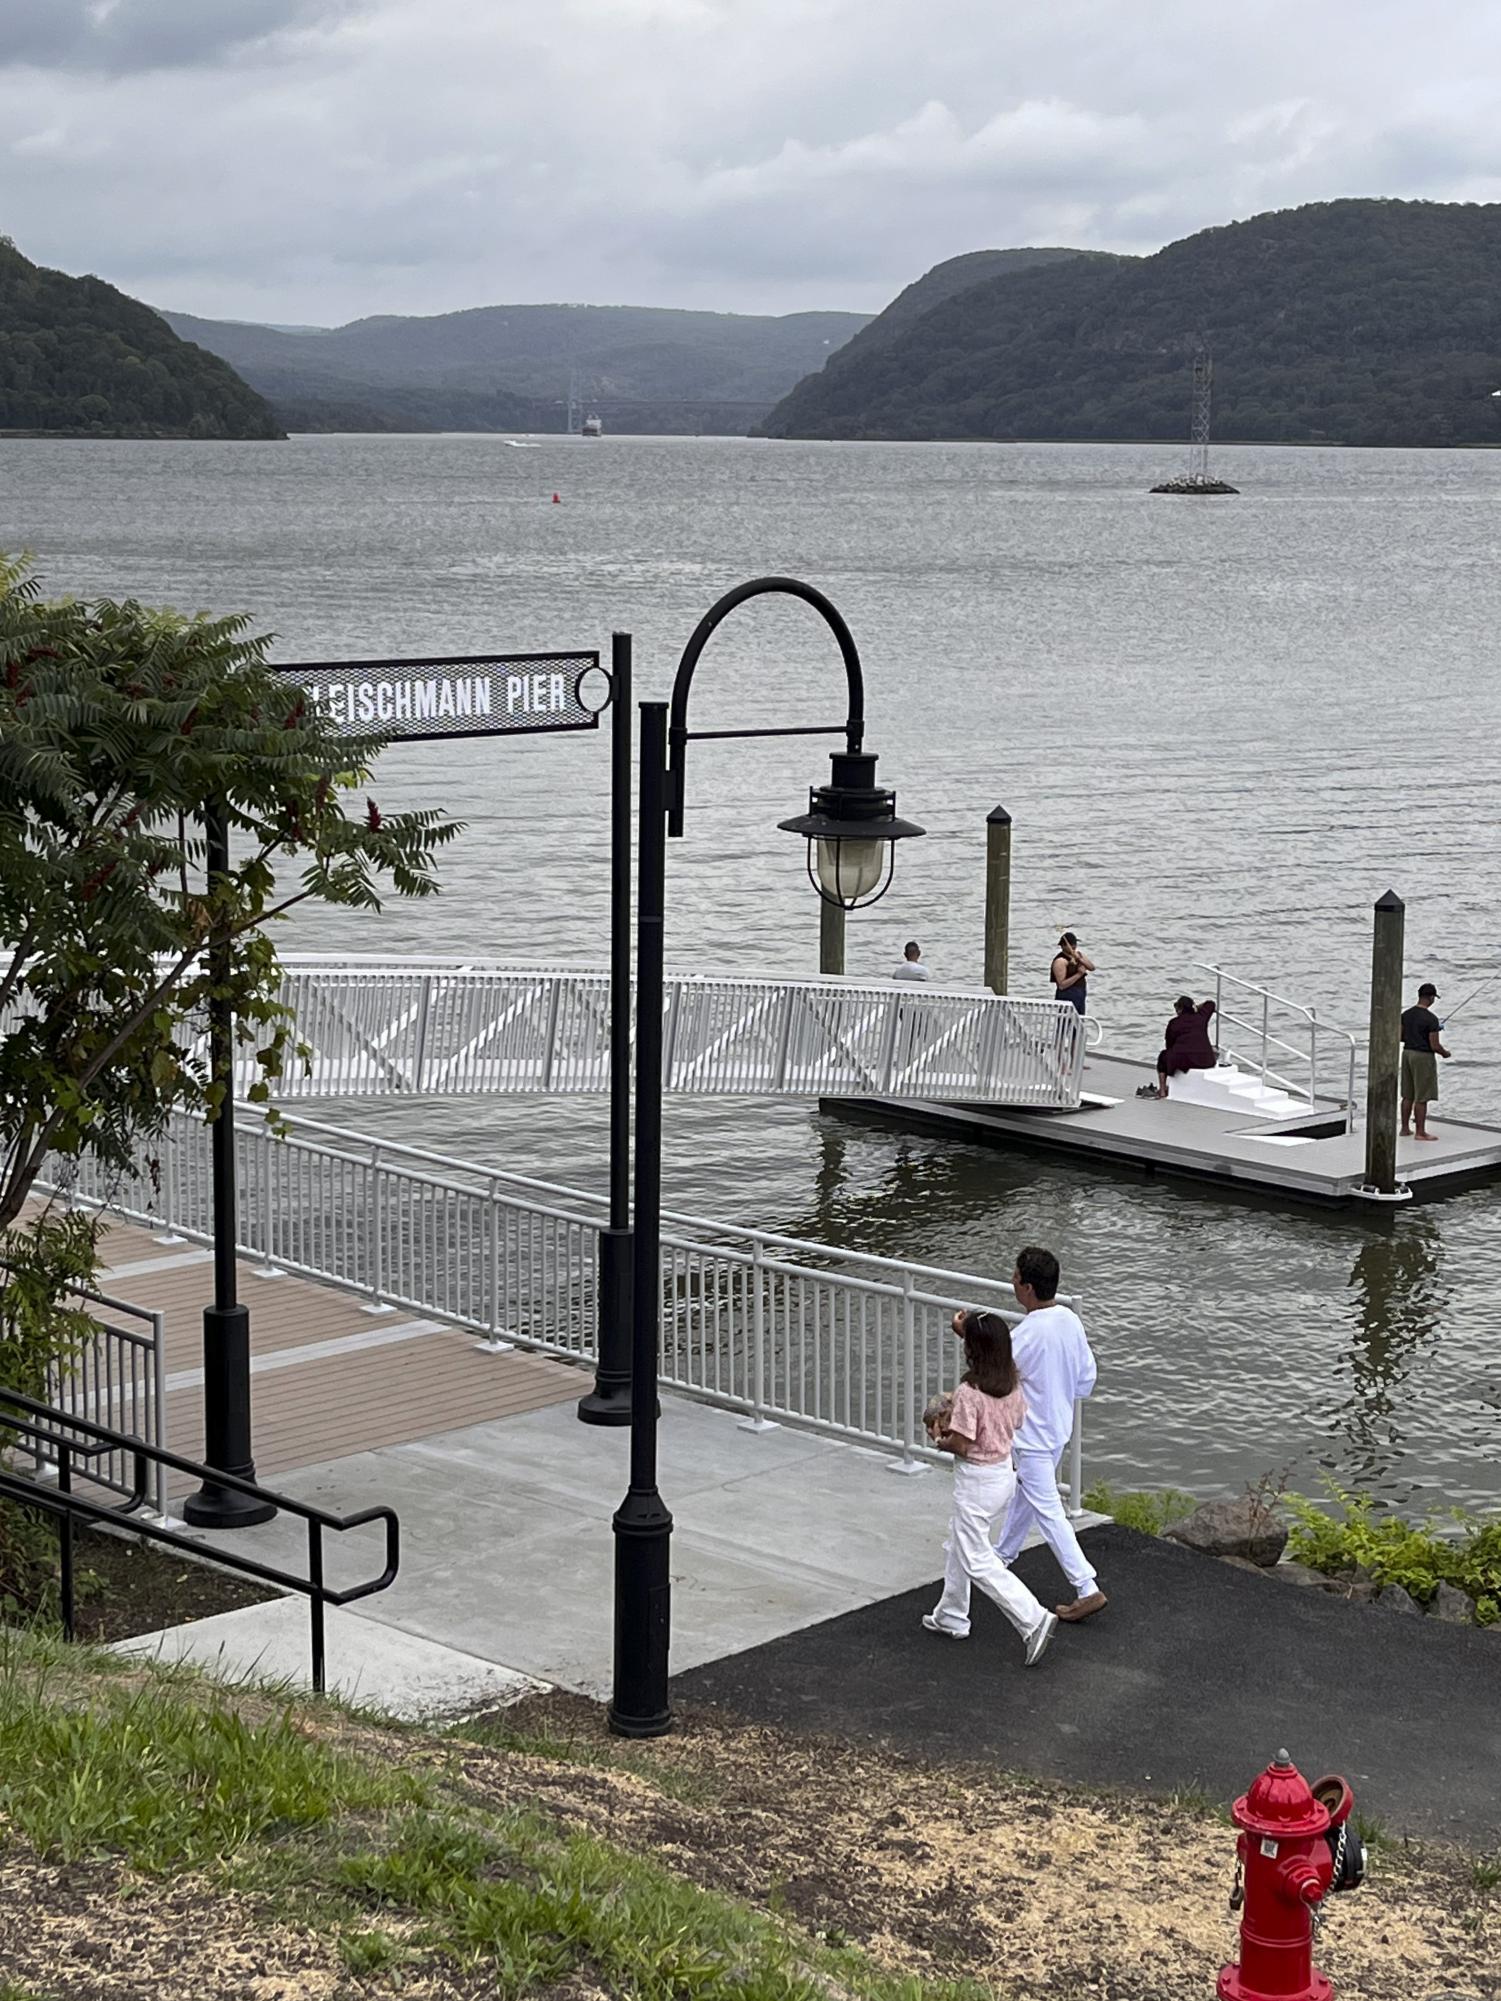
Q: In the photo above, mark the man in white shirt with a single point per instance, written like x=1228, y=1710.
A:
x=1057, y=1367
x=912, y=967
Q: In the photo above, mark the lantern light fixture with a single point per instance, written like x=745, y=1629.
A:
x=851, y=828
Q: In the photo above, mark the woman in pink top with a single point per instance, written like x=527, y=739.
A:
x=986, y=1413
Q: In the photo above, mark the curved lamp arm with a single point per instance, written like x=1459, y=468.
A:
x=678, y=736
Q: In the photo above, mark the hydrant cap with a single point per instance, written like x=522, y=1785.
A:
x=1280, y=1804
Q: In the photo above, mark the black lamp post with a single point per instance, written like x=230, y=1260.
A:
x=609, y=1402
x=850, y=828
x=226, y=1324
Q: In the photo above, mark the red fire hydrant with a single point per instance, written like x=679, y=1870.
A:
x=1295, y=1846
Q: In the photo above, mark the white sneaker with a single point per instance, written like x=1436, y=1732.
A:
x=1039, y=1638
x=948, y=1632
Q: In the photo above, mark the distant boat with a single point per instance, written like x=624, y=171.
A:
x=592, y=427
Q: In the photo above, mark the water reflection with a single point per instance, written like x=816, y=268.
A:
x=1397, y=1301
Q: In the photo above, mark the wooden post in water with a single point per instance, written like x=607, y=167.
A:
x=1384, y=1051
x=830, y=937
x=997, y=899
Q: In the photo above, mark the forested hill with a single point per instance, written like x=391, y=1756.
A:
x=955, y=274
x=512, y=367
x=79, y=359
x=1347, y=322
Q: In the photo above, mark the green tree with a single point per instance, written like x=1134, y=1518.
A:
x=118, y=724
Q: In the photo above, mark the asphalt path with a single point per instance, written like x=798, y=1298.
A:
x=1193, y=1678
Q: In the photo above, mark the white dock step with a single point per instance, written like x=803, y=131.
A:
x=1226, y=1088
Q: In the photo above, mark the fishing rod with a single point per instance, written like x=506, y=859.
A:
x=1464, y=1003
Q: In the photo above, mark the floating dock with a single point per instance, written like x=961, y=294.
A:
x=1304, y=1157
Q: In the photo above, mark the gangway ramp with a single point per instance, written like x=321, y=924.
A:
x=387, y=1028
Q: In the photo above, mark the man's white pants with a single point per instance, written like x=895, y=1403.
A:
x=1038, y=1504
x=981, y=1495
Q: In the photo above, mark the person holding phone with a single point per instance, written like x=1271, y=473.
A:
x=1070, y=973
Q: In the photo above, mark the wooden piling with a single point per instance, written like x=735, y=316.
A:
x=997, y=899
x=1384, y=1050
x=830, y=937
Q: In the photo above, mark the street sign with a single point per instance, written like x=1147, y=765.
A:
x=505, y=694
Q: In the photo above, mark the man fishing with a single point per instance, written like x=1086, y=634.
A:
x=1421, y=1049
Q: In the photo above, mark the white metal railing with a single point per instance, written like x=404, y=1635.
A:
x=1295, y=1036
x=835, y=1341
x=113, y=1376
x=378, y=1028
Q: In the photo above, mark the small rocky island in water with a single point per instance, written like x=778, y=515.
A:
x=1188, y=484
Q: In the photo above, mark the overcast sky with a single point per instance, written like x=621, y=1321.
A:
x=315, y=160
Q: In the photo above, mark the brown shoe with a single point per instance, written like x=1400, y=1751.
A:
x=1083, y=1608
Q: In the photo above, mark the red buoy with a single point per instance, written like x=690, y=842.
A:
x=555, y=500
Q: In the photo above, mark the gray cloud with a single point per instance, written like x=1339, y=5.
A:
x=311, y=160
x=118, y=36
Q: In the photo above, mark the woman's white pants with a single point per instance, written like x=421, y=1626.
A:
x=981, y=1494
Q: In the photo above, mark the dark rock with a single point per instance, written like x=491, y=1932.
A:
x=1395, y=1598
x=1243, y=1563
x=1453, y=1606
x=1354, y=1590
x=1243, y=1528
x=1304, y=1573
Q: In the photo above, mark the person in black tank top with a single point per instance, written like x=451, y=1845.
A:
x=1070, y=971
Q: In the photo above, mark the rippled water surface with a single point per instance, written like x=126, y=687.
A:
x=1223, y=728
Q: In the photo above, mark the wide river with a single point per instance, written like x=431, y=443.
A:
x=1223, y=728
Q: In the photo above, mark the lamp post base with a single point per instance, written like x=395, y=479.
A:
x=643, y=1601
x=222, y=1508
x=609, y=1402
x=226, y=1425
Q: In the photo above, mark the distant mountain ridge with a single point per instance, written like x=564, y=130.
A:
x=510, y=367
x=80, y=359
x=1365, y=322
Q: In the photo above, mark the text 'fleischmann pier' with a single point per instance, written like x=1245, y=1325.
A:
x=431, y=698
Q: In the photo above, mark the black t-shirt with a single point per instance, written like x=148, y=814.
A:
x=1418, y=1023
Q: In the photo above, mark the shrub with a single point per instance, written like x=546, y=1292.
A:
x=1347, y=1533
x=1151, y=1513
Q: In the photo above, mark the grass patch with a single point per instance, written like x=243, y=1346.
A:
x=1149, y=1512
x=389, y=1867
x=168, y=1778
x=535, y=1906
x=1485, y=1872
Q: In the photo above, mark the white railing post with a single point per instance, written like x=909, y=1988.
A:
x=1219, y=1003
x=492, y=1341
x=424, y=1008
x=1313, y=1056
x=169, y=1193
x=375, y=1253
x=1076, y=1464
x=907, y=1464
x=758, y=1420
x=269, y=1268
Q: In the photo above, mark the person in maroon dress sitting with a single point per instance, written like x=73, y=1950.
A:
x=1187, y=1045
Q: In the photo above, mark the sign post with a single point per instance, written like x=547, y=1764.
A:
x=407, y=701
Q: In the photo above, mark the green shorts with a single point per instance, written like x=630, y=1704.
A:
x=1419, y=1076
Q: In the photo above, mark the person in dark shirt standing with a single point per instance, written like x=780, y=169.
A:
x=1421, y=1049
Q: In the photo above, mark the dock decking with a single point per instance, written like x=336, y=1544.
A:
x=1298, y=1159
x=329, y=1378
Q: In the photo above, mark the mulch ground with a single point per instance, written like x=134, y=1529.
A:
x=126, y=1588
x=1043, y=1891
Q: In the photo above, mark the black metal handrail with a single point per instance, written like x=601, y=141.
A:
x=47, y=1423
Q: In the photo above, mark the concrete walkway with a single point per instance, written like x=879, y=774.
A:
x=1193, y=1678
x=508, y=1555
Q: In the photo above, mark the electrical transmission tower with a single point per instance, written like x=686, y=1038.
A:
x=1198, y=428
